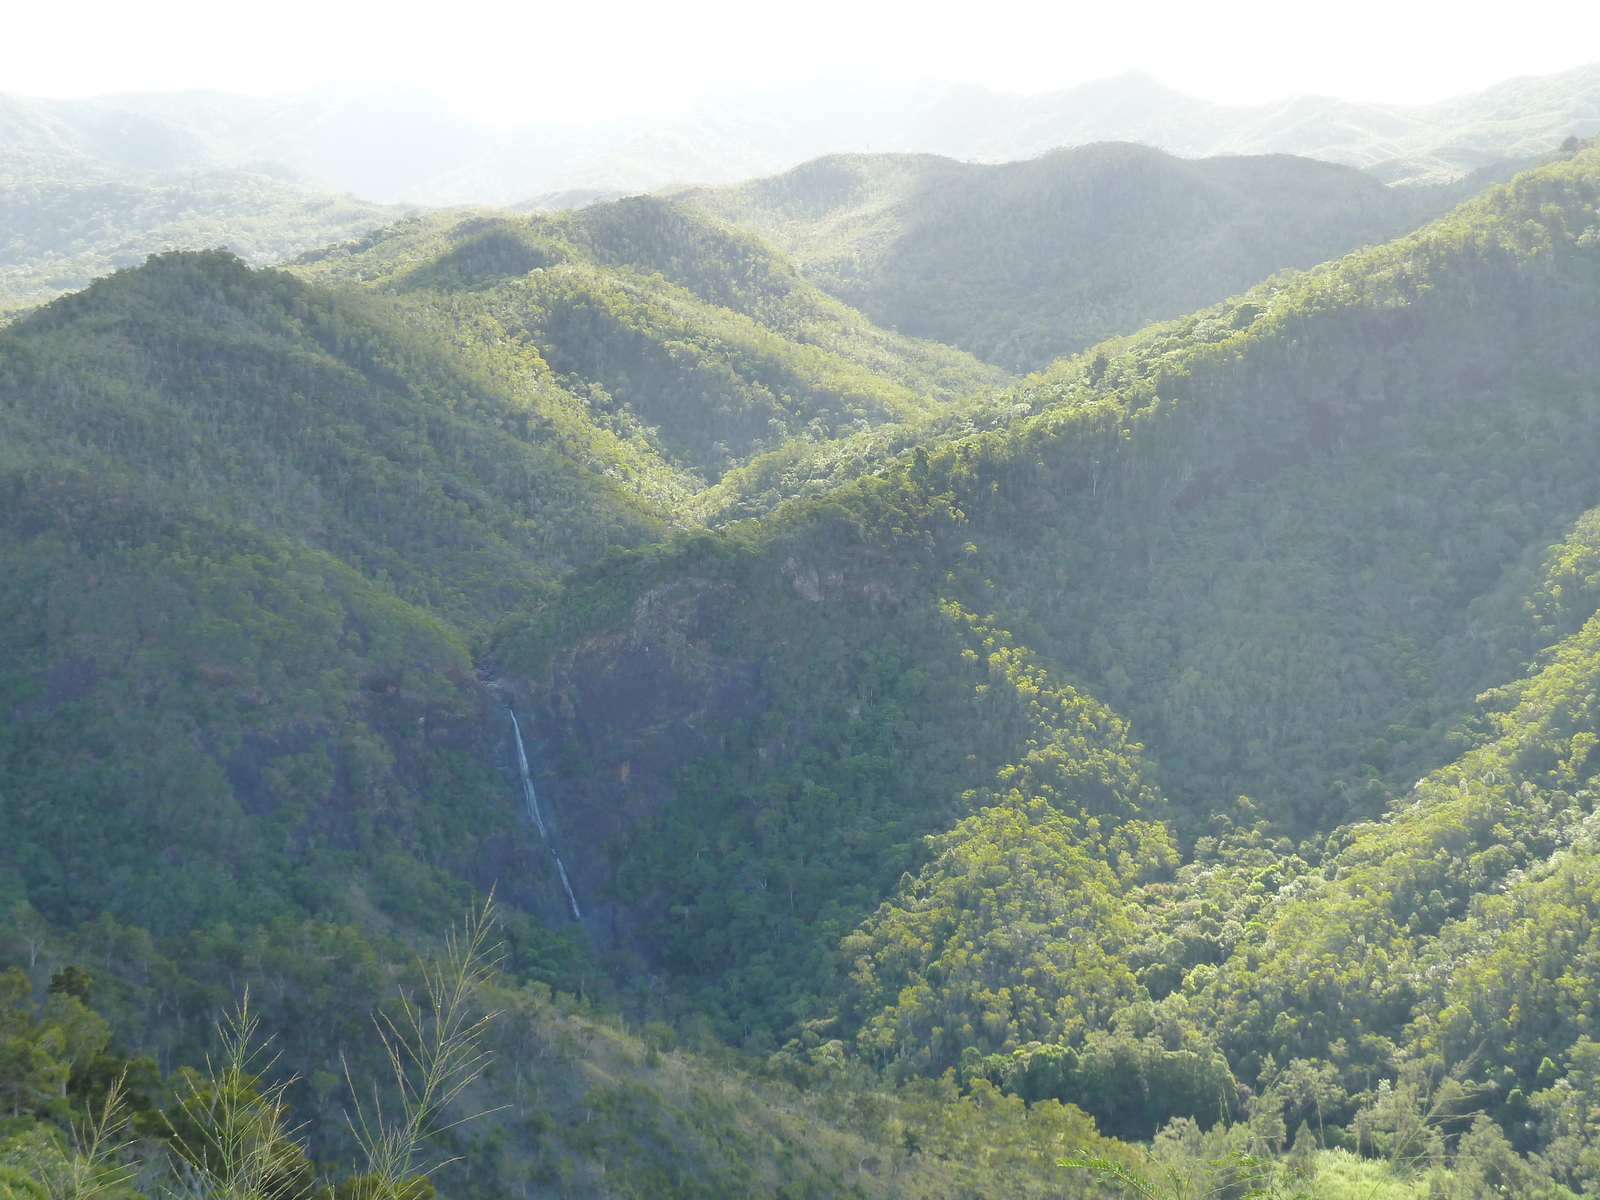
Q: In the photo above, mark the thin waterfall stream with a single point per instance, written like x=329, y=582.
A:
x=532, y=799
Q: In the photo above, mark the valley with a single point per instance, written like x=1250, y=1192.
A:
x=912, y=670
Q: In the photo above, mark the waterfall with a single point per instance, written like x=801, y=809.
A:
x=531, y=798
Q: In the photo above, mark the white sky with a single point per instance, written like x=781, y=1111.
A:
x=513, y=61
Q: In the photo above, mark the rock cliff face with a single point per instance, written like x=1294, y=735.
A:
x=615, y=719
x=760, y=664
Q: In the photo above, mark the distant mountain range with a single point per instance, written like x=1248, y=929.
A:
x=395, y=144
x=1021, y=262
x=893, y=774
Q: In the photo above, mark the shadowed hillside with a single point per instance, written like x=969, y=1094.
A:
x=1191, y=743
x=1289, y=540
x=1025, y=262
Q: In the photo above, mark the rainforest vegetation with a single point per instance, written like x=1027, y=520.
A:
x=1173, y=770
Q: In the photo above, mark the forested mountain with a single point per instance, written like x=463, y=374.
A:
x=381, y=473
x=250, y=527
x=1024, y=262
x=1191, y=743
x=63, y=231
x=93, y=184
x=87, y=187
x=694, y=343
x=1290, y=539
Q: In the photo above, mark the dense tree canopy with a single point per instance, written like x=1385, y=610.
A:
x=1194, y=741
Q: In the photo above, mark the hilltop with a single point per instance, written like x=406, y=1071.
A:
x=88, y=185
x=1192, y=742
x=397, y=144
x=64, y=231
x=1027, y=261
x=1023, y=749
x=697, y=347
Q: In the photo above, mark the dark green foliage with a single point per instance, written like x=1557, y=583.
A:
x=71, y=981
x=1132, y=1082
x=1040, y=766
x=240, y=717
x=256, y=398
x=1292, y=538
x=208, y=713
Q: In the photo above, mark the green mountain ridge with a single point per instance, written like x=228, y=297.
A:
x=64, y=230
x=1140, y=463
x=693, y=339
x=250, y=527
x=1026, y=261
x=1192, y=742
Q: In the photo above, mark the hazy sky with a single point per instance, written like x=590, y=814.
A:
x=520, y=61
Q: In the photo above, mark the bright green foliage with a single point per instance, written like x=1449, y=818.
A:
x=17, y=1184
x=30, y=1072
x=1265, y=548
x=578, y=1104
x=40, y=1052
x=1017, y=929
x=1215, y=899
x=696, y=343
x=1013, y=933
x=1345, y=956
x=1293, y=566
x=260, y=538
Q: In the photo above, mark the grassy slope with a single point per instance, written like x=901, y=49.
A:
x=1023, y=262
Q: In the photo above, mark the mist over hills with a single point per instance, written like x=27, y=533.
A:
x=894, y=775
x=88, y=185
x=394, y=144
x=1398, y=143
x=61, y=232
x=1023, y=262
